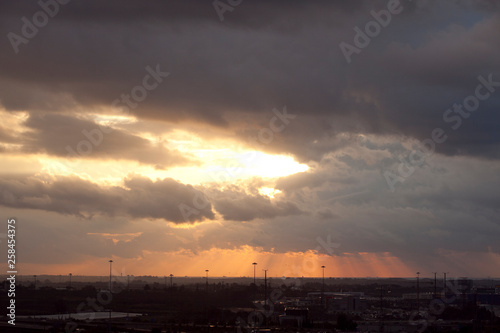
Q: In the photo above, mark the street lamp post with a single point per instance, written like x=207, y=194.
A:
x=265, y=286
x=206, y=300
x=110, y=263
x=206, y=271
x=381, y=317
x=445, y=287
x=418, y=292
x=323, y=287
x=254, y=264
x=109, y=319
x=435, y=285
x=265, y=291
x=254, y=286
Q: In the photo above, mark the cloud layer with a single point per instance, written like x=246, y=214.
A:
x=139, y=198
x=401, y=83
x=91, y=86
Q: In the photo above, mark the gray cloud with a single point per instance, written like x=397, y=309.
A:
x=68, y=136
x=235, y=204
x=417, y=67
x=140, y=198
x=354, y=121
x=443, y=207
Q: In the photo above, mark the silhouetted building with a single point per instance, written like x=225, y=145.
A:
x=295, y=317
x=464, y=285
x=347, y=302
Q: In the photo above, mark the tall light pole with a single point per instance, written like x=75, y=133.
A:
x=254, y=285
x=109, y=319
x=110, y=263
x=206, y=299
x=70, y=275
x=171, y=284
x=435, y=285
x=265, y=292
x=323, y=287
x=444, y=283
x=418, y=292
x=206, y=271
x=254, y=264
x=265, y=288
x=381, y=317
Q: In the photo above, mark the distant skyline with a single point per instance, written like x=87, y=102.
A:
x=202, y=278
x=174, y=137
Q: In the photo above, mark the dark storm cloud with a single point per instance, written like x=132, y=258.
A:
x=68, y=136
x=354, y=120
x=255, y=14
x=443, y=206
x=141, y=197
x=449, y=205
x=266, y=54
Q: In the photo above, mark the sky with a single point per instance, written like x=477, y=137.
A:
x=174, y=137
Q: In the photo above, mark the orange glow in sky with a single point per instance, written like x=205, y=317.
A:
x=237, y=263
